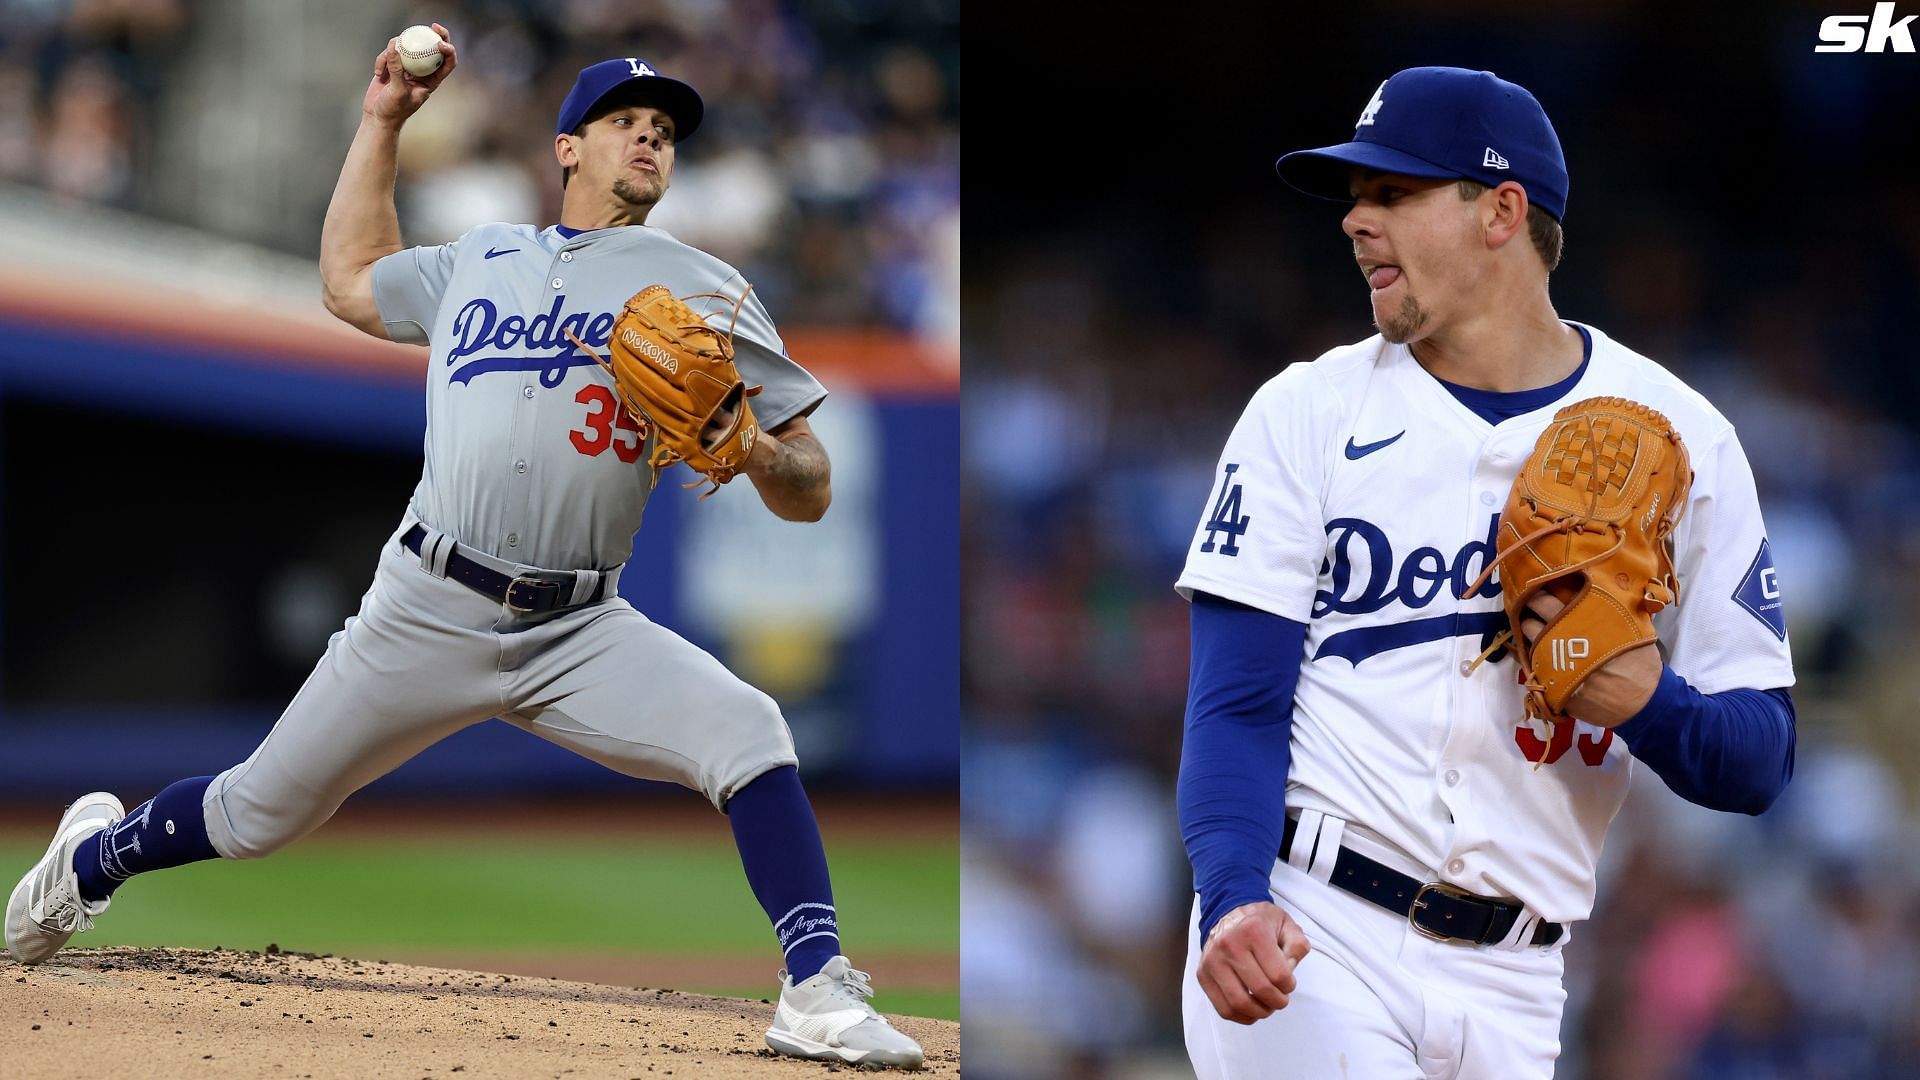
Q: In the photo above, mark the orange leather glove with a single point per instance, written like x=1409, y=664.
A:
x=1591, y=518
x=677, y=372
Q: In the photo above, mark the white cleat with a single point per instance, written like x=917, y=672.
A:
x=827, y=1018
x=45, y=908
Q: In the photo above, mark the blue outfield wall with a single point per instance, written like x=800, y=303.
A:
x=903, y=670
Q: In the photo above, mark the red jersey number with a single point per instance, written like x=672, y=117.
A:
x=1593, y=748
x=608, y=425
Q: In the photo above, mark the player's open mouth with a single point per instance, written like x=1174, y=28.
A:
x=1379, y=277
x=643, y=163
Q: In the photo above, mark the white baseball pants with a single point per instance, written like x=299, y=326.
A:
x=1377, y=1000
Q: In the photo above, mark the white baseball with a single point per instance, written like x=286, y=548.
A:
x=419, y=49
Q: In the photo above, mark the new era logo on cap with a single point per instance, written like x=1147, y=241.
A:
x=1493, y=160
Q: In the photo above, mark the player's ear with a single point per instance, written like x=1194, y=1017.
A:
x=1503, y=213
x=566, y=151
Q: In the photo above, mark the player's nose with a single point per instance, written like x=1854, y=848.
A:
x=1359, y=222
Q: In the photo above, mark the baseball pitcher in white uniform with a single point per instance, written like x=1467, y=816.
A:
x=1388, y=854
x=496, y=594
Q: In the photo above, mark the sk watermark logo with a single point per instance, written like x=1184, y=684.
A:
x=1869, y=33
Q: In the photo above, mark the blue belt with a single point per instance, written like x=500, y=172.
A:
x=523, y=594
x=1436, y=909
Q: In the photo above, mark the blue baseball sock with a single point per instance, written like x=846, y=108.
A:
x=786, y=865
x=169, y=829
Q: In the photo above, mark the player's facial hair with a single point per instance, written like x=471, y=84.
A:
x=1403, y=324
x=625, y=189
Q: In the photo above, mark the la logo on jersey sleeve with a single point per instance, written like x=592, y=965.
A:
x=1759, y=592
x=1226, y=518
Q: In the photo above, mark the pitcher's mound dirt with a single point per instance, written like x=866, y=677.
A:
x=194, y=1012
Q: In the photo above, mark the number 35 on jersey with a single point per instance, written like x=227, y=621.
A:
x=1226, y=518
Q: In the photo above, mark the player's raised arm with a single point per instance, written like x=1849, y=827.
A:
x=362, y=225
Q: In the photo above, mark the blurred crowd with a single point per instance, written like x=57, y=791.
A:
x=827, y=169
x=1722, y=947
x=76, y=77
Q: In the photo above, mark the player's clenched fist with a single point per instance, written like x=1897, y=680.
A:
x=394, y=95
x=1247, y=966
x=1617, y=690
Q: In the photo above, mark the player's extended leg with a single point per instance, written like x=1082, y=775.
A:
x=169, y=829
x=644, y=701
x=786, y=866
x=417, y=663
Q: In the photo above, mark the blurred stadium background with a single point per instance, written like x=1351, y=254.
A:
x=1742, y=210
x=198, y=465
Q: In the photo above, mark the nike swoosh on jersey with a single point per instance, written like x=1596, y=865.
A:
x=492, y=252
x=1355, y=453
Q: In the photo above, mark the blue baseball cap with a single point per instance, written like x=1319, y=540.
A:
x=597, y=81
x=1443, y=123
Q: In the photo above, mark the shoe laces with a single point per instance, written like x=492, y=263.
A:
x=855, y=987
x=65, y=911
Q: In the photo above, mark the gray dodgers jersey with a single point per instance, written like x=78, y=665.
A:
x=524, y=458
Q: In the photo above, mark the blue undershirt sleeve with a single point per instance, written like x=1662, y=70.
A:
x=1233, y=762
x=1729, y=751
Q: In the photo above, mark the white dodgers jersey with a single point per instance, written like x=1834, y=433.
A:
x=1359, y=497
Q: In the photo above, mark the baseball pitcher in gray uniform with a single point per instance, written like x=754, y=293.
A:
x=495, y=595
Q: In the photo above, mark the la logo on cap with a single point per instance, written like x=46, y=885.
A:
x=1372, y=109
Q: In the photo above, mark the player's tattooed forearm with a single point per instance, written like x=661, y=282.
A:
x=802, y=465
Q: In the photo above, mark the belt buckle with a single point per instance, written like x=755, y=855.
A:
x=530, y=583
x=1419, y=902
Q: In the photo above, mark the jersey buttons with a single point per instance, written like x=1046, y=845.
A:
x=566, y=256
x=521, y=466
x=1453, y=777
x=527, y=392
x=1455, y=866
x=557, y=283
x=1486, y=498
x=513, y=539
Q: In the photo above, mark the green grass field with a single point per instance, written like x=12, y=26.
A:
x=377, y=896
